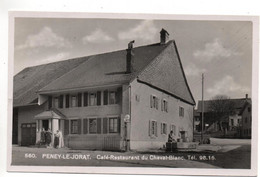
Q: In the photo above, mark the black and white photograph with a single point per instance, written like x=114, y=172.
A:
x=158, y=92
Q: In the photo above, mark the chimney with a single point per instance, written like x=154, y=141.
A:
x=129, y=57
x=164, y=36
x=246, y=96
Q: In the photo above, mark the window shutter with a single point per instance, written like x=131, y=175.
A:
x=155, y=128
x=98, y=98
x=105, y=97
x=85, y=98
x=99, y=125
x=161, y=128
x=50, y=102
x=150, y=128
x=118, y=124
x=79, y=99
x=156, y=102
x=118, y=95
x=66, y=127
x=85, y=126
x=61, y=101
x=166, y=106
x=104, y=125
x=67, y=101
x=162, y=105
x=151, y=101
x=79, y=126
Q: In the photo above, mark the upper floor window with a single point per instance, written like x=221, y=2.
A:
x=111, y=97
x=154, y=102
x=73, y=101
x=93, y=99
x=56, y=102
x=181, y=111
x=164, y=105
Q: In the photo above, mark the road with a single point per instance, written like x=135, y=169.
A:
x=217, y=155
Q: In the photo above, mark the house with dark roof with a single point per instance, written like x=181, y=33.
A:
x=233, y=121
x=121, y=100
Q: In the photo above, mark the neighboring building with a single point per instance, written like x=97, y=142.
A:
x=197, y=119
x=233, y=122
x=91, y=99
x=246, y=114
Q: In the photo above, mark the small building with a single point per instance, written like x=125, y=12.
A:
x=246, y=123
x=233, y=122
x=121, y=100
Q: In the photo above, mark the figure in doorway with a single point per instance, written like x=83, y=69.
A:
x=43, y=140
x=58, y=140
x=48, y=138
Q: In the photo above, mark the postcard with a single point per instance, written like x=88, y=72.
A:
x=133, y=93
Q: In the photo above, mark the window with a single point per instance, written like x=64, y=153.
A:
x=73, y=101
x=181, y=111
x=92, y=99
x=85, y=97
x=56, y=102
x=163, y=128
x=112, y=97
x=93, y=125
x=232, y=122
x=173, y=129
x=152, y=128
x=74, y=126
x=164, y=105
x=113, y=125
x=154, y=102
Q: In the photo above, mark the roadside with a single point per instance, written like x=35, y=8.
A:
x=216, y=155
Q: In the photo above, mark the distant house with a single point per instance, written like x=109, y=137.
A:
x=126, y=99
x=233, y=122
x=246, y=123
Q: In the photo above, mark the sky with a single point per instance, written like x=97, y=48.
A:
x=222, y=50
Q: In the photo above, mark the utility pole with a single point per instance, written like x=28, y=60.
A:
x=202, y=110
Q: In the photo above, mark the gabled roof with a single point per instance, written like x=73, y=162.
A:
x=247, y=103
x=32, y=79
x=105, y=69
x=238, y=104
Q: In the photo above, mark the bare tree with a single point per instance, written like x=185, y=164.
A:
x=221, y=107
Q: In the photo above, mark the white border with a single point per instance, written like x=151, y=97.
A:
x=125, y=170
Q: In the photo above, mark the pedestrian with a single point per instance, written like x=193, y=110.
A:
x=48, y=138
x=42, y=142
x=58, y=140
x=170, y=137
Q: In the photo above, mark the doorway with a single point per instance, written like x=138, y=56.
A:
x=45, y=124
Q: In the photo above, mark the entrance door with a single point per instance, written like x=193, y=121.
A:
x=45, y=124
x=28, y=134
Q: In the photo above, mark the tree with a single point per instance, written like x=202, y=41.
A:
x=221, y=107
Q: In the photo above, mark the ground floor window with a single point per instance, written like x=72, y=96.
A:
x=74, y=126
x=152, y=128
x=113, y=125
x=163, y=128
x=93, y=125
x=173, y=129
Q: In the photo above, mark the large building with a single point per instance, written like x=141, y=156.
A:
x=127, y=99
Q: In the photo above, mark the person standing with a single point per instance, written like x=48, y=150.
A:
x=43, y=140
x=48, y=137
x=58, y=140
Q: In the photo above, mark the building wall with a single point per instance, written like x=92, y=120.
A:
x=142, y=113
x=246, y=122
x=26, y=115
